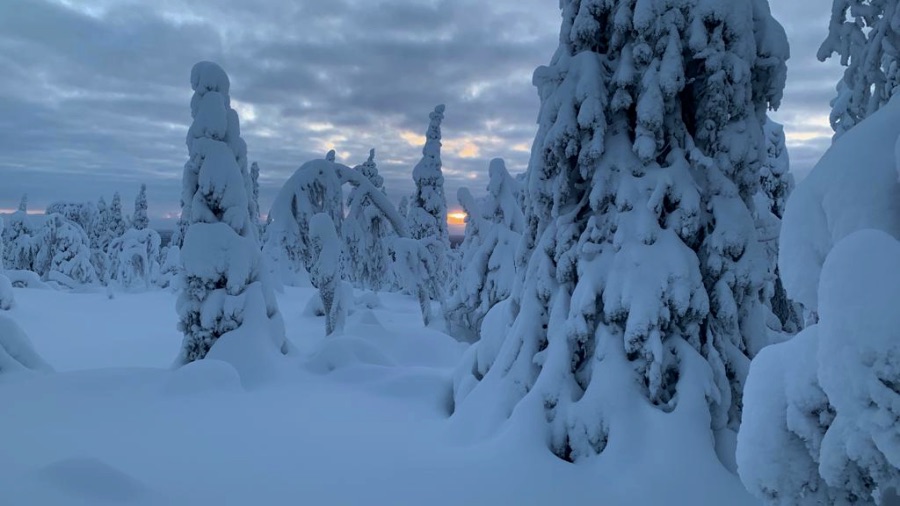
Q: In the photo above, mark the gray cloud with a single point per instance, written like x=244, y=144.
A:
x=95, y=97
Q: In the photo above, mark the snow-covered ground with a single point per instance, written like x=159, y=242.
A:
x=354, y=419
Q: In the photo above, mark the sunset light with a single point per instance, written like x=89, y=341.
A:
x=456, y=218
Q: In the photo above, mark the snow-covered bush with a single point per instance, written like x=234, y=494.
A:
x=365, y=232
x=325, y=274
x=170, y=267
x=494, y=228
x=642, y=278
x=64, y=249
x=16, y=351
x=427, y=216
x=866, y=36
x=225, y=291
x=135, y=258
x=20, y=242
x=139, y=220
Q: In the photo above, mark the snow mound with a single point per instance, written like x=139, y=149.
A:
x=853, y=187
x=16, y=351
x=314, y=306
x=7, y=298
x=203, y=376
x=342, y=351
x=94, y=481
x=365, y=318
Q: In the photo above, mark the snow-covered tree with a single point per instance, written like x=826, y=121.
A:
x=116, y=224
x=330, y=156
x=494, y=227
x=225, y=291
x=139, y=220
x=134, y=258
x=821, y=409
x=7, y=298
x=170, y=267
x=20, y=242
x=316, y=187
x=866, y=36
x=641, y=280
x=83, y=214
x=776, y=183
x=23, y=204
x=64, y=252
x=325, y=273
x=403, y=208
x=365, y=233
x=427, y=216
x=254, y=197
x=415, y=271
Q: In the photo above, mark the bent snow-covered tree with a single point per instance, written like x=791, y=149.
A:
x=427, y=215
x=494, y=228
x=315, y=188
x=225, y=291
x=643, y=276
x=326, y=271
x=866, y=36
x=365, y=232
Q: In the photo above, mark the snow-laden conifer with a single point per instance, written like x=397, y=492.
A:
x=139, y=220
x=642, y=275
x=225, y=291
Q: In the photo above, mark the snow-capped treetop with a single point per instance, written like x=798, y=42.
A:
x=866, y=35
x=23, y=204
x=208, y=76
x=370, y=170
x=116, y=220
x=139, y=220
x=330, y=156
x=503, y=205
x=428, y=209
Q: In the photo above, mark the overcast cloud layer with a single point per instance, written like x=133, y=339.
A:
x=95, y=94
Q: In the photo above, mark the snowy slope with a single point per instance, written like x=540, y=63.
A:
x=355, y=419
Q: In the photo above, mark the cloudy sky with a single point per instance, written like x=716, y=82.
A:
x=94, y=94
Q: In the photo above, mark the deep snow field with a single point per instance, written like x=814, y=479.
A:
x=356, y=419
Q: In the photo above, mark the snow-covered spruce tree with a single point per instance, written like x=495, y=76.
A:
x=225, y=291
x=643, y=275
x=403, y=207
x=365, y=233
x=427, y=215
x=64, y=253
x=325, y=273
x=866, y=36
x=139, y=220
x=414, y=270
x=23, y=204
x=116, y=224
x=254, y=198
x=494, y=228
x=776, y=183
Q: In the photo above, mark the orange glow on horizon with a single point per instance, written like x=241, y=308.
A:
x=457, y=218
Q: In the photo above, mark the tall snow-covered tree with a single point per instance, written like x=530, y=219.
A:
x=494, y=227
x=427, y=215
x=7, y=297
x=365, y=233
x=23, y=204
x=866, y=36
x=139, y=220
x=254, y=197
x=642, y=275
x=225, y=291
x=116, y=224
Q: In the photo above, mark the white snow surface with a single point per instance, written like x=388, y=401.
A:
x=359, y=418
x=853, y=187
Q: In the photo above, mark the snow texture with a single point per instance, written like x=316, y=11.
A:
x=854, y=186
